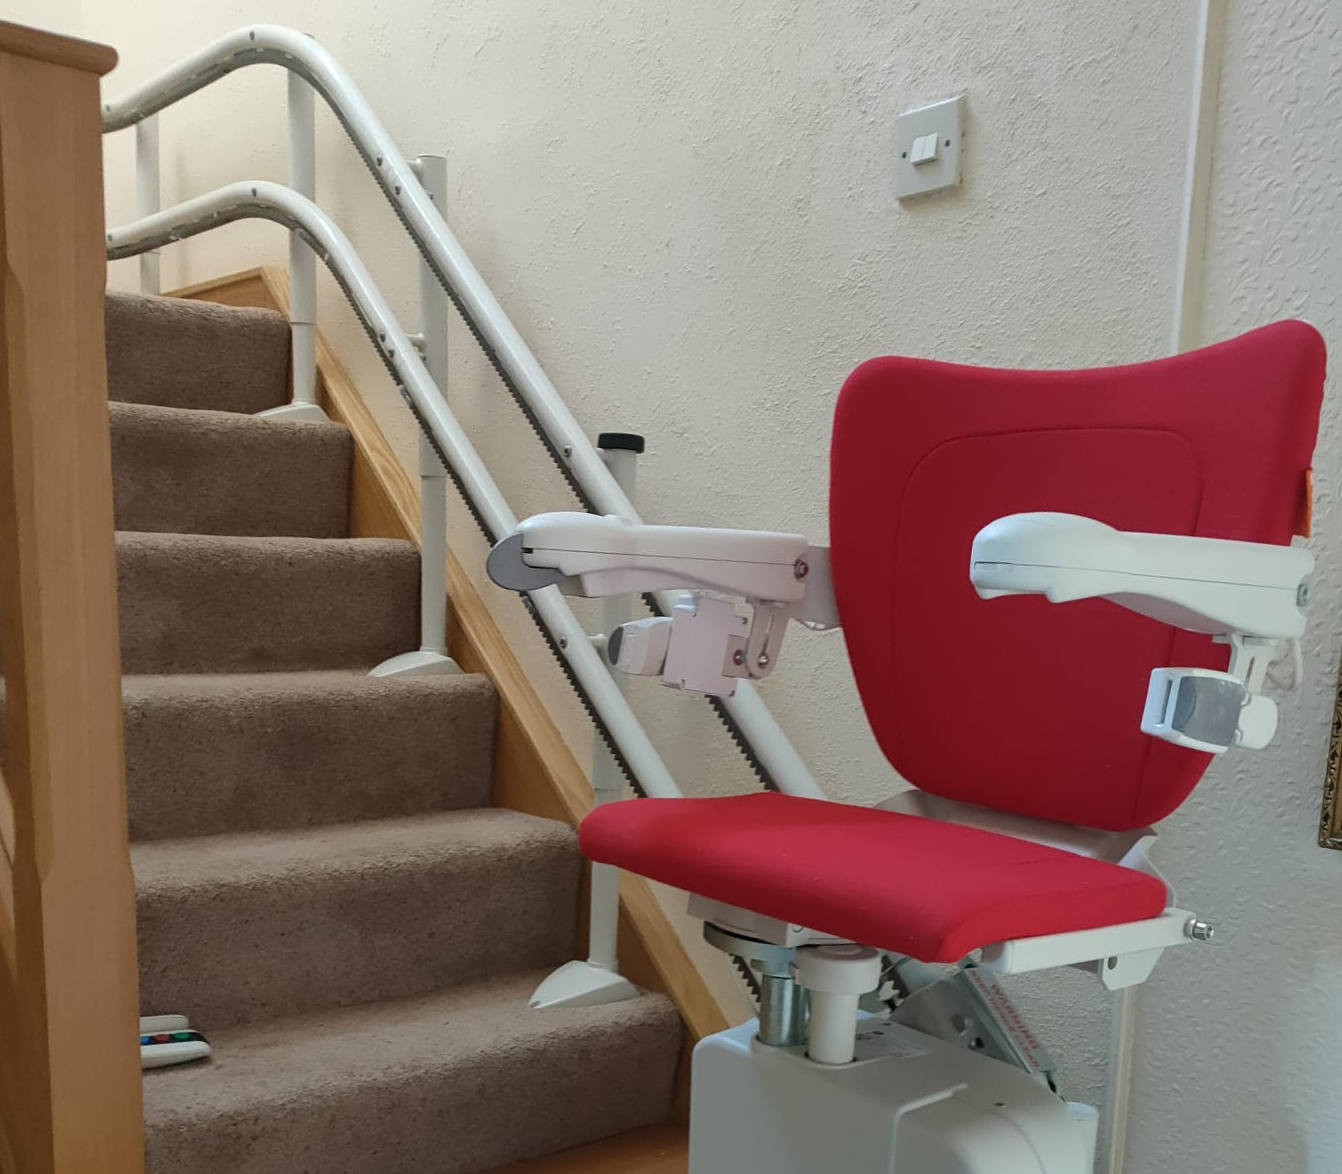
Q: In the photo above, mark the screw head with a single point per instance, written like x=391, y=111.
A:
x=563, y=642
x=738, y=657
x=762, y=660
x=800, y=569
x=1199, y=931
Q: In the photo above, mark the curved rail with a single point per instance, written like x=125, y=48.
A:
x=275, y=202
x=749, y=721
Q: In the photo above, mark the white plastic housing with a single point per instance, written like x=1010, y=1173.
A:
x=908, y=1104
x=639, y=646
x=1209, y=585
x=1237, y=717
x=610, y=555
x=582, y=983
x=704, y=630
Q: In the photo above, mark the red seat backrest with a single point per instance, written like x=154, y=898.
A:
x=1016, y=703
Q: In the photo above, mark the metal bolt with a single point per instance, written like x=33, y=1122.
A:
x=738, y=657
x=563, y=642
x=1302, y=594
x=800, y=569
x=567, y=450
x=763, y=660
x=1199, y=931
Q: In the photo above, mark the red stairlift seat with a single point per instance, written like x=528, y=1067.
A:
x=1017, y=705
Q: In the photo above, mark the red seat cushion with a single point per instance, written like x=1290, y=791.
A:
x=914, y=886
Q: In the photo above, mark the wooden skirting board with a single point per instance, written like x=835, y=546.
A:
x=660, y=1149
x=534, y=770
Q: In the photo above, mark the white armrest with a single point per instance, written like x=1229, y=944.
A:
x=612, y=555
x=1208, y=585
x=702, y=644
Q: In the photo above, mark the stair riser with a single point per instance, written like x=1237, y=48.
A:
x=210, y=473
x=256, y=756
x=189, y=354
x=230, y=606
x=231, y=954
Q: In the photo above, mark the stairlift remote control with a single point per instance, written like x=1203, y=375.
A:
x=169, y=1039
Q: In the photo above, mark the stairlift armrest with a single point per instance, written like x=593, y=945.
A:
x=1210, y=585
x=1246, y=594
x=702, y=645
x=597, y=556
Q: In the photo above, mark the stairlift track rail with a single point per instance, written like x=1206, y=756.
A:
x=751, y=725
x=748, y=719
x=275, y=202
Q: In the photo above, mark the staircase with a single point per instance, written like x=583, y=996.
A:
x=321, y=884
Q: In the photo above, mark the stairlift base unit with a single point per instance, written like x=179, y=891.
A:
x=907, y=1104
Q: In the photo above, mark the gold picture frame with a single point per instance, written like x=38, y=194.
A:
x=1330, y=819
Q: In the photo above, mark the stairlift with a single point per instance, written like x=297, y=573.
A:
x=1044, y=740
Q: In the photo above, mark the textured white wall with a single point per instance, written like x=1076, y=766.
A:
x=687, y=209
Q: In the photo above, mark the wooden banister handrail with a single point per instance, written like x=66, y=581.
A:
x=69, y=1060
x=19, y=40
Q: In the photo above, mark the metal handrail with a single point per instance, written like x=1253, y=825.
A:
x=753, y=726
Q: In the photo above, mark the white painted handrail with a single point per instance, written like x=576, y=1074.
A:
x=272, y=201
x=763, y=739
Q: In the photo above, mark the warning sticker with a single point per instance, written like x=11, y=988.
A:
x=881, y=1040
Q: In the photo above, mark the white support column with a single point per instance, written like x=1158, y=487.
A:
x=836, y=977
x=302, y=260
x=597, y=979
x=147, y=195
x=432, y=658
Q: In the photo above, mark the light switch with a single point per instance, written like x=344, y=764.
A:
x=927, y=141
x=924, y=148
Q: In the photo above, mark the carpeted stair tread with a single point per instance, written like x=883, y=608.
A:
x=206, y=603
x=458, y=1082
x=221, y=752
x=239, y=928
x=182, y=353
x=199, y=472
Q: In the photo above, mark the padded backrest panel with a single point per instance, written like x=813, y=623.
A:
x=1017, y=703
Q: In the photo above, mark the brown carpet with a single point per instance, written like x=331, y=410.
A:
x=248, y=752
x=180, y=354
x=321, y=886
x=177, y=471
x=452, y=1083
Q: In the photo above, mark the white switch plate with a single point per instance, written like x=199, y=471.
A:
x=944, y=119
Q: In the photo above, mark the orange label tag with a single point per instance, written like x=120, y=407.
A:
x=1304, y=523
